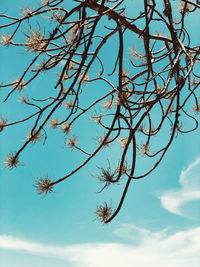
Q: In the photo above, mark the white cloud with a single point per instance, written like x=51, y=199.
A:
x=153, y=249
x=174, y=200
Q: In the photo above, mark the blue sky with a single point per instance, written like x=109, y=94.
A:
x=159, y=219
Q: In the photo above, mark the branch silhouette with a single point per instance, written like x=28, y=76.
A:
x=150, y=89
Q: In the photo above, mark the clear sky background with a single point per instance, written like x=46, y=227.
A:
x=157, y=226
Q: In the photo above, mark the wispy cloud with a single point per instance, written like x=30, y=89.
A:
x=153, y=249
x=174, y=200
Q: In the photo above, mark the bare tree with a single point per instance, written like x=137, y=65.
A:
x=149, y=89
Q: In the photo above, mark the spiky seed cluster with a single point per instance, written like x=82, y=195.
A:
x=125, y=76
x=43, y=185
x=178, y=128
x=125, y=168
x=135, y=53
x=194, y=82
x=125, y=73
x=6, y=39
x=45, y=2
x=33, y=136
x=63, y=91
x=84, y=77
x=26, y=11
x=108, y=104
x=144, y=149
x=96, y=118
x=72, y=66
x=69, y=104
x=196, y=108
x=11, y=161
x=150, y=130
x=56, y=16
x=123, y=98
x=171, y=110
x=141, y=128
x=54, y=123
x=101, y=141
x=35, y=41
x=66, y=128
x=103, y=212
x=24, y=99
x=71, y=142
x=123, y=141
x=185, y=6
x=107, y=176
x=2, y=124
x=19, y=84
x=42, y=66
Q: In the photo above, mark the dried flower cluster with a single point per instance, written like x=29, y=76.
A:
x=41, y=66
x=66, y=128
x=196, y=108
x=24, y=99
x=71, y=142
x=45, y=2
x=2, y=124
x=84, y=77
x=123, y=141
x=12, y=161
x=144, y=149
x=56, y=15
x=26, y=11
x=108, y=104
x=34, y=136
x=102, y=140
x=6, y=39
x=19, y=84
x=35, y=41
x=54, y=123
x=185, y=7
x=107, y=176
x=43, y=185
x=103, y=212
x=69, y=104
